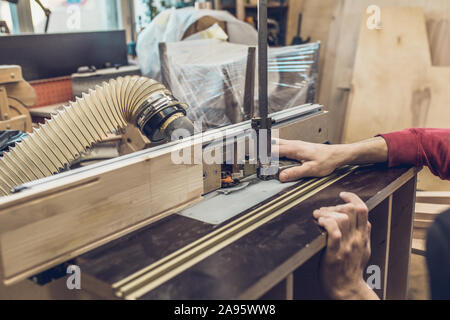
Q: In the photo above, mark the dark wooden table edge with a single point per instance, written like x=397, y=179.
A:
x=282, y=271
x=297, y=260
x=391, y=188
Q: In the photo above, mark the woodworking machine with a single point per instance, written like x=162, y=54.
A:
x=142, y=227
x=158, y=223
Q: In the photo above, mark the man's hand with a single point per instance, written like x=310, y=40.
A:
x=348, y=249
x=318, y=160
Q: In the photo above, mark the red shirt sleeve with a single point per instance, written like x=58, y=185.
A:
x=421, y=147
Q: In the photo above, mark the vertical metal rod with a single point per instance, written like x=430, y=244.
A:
x=262, y=60
x=249, y=90
x=263, y=124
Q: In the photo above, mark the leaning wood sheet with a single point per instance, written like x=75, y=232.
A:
x=394, y=84
x=390, y=76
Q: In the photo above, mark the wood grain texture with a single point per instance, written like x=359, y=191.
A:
x=395, y=85
x=438, y=31
x=44, y=227
x=428, y=211
x=428, y=181
x=242, y=268
x=389, y=85
x=342, y=46
x=440, y=197
x=400, y=241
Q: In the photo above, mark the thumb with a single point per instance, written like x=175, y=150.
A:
x=296, y=173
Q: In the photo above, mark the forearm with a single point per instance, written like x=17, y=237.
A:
x=374, y=150
x=421, y=147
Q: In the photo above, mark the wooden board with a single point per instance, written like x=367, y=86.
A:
x=242, y=270
x=394, y=84
x=438, y=115
x=438, y=31
x=401, y=231
x=433, y=197
x=342, y=45
x=73, y=212
x=10, y=73
x=428, y=181
x=52, y=223
x=429, y=211
x=389, y=85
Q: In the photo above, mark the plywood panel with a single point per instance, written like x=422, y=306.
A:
x=389, y=87
x=342, y=44
x=394, y=84
x=438, y=34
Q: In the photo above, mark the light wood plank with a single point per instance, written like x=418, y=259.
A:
x=439, y=197
x=50, y=224
x=438, y=31
x=389, y=69
x=429, y=211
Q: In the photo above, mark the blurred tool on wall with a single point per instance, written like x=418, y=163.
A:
x=298, y=39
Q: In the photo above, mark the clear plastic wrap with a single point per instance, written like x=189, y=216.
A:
x=209, y=75
x=298, y=71
x=171, y=25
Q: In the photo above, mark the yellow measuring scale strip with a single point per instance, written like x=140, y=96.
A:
x=145, y=280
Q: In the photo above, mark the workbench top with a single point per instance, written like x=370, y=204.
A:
x=246, y=267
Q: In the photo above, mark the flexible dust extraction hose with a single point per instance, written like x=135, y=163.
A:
x=143, y=102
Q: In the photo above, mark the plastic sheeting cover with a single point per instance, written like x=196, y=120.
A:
x=209, y=75
x=170, y=26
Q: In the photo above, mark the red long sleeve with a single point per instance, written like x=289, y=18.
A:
x=421, y=147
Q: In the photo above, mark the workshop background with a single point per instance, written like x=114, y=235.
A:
x=351, y=75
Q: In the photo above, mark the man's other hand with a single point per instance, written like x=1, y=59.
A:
x=348, y=248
